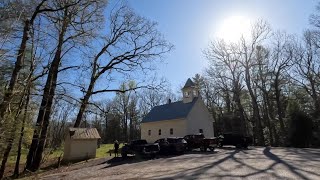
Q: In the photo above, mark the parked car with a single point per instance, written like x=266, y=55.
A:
x=199, y=141
x=172, y=145
x=238, y=140
x=141, y=148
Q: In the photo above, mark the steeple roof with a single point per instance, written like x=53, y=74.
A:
x=189, y=83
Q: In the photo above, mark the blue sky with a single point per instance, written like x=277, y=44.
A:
x=191, y=24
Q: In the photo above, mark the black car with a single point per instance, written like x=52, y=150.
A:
x=238, y=140
x=172, y=145
x=140, y=147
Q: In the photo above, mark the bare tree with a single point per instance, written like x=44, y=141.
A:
x=248, y=60
x=307, y=69
x=282, y=56
x=75, y=22
x=225, y=66
x=40, y=7
x=132, y=43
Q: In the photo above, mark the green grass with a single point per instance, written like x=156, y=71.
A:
x=105, y=150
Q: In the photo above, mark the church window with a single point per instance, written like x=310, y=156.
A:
x=194, y=93
x=159, y=131
x=171, y=131
x=149, y=132
x=186, y=94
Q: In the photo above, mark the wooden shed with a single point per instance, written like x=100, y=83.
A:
x=80, y=144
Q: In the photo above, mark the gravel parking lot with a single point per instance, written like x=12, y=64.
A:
x=226, y=163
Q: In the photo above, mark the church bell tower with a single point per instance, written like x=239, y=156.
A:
x=189, y=91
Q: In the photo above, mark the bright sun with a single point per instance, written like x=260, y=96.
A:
x=232, y=28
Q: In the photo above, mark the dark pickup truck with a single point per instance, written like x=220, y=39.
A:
x=141, y=148
x=172, y=145
x=238, y=140
x=199, y=141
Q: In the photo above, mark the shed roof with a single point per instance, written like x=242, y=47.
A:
x=84, y=133
x=176, y=110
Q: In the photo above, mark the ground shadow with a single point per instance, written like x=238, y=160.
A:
x=116, y=161
x=241, y=161
x=278, y=160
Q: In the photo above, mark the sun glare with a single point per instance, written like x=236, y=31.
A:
x=232, y=28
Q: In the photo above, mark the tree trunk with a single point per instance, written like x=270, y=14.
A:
x=228, y=102
x=5, y=157
x=84, y=103
x=125, y=128
x=256, y=115
x=17, y=165
x=11, y=138
x=18, y=64
x=37, y=146
x=15, y=73
x=16, y=169
x=243, y=126
x=283, y=133
x=131, y=130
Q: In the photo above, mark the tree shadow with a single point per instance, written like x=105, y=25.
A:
x=195, y=172
x=278, y=160
x=224, y=171
x=117, y=161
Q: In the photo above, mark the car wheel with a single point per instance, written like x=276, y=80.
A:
x=203, y=149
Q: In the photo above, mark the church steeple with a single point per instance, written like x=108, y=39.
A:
x=189, y=91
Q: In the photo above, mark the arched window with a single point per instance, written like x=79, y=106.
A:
x=149, y=132
x=159, y=131
x=171, y=131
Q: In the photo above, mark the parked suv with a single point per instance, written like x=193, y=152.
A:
x=172, y=145
x=140, y=147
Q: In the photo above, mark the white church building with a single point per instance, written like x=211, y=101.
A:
x=177, y=119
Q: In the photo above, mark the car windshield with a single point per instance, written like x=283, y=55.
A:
x=172, y=140
x=139, y=142
x=199, y=136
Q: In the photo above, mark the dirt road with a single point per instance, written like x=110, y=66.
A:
x=227, y=163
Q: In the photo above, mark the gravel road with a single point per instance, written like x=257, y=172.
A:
x=226, y=163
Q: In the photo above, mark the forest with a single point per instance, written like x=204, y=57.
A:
x=84, y=63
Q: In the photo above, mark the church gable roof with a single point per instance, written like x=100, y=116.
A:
x=189, y=83
x=176, y=110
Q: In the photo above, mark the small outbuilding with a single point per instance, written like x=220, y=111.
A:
x=80, y=144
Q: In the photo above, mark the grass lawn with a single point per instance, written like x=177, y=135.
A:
x=105, y=150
